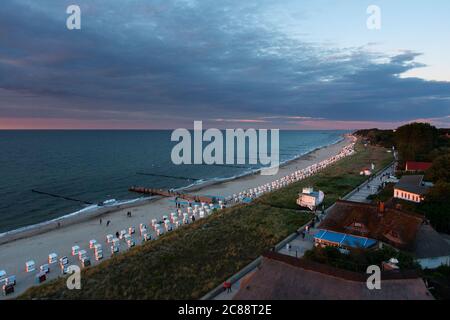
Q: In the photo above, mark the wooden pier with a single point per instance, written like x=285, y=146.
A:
x=169, y=193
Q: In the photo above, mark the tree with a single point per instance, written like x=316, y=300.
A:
x=415, y=141
x=440, y=170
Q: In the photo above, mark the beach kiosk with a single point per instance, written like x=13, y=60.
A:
x=85, y=262
x=130, y=241
x=52, y=258
x=40, y=277
x=143, y=230
x=114, y=249
x=82, y=254
x=30, y=266
x=64, y=260
x=64, y=264
x=147, y=237
x=159, y=230
x=75, y=250
x=11, y=280
x=185, y=218
x=92, y=243
x=98, y=251
x=44, y=268
x=109, y=238
x=7, y=289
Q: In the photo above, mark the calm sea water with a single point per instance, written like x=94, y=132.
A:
x=97, y=165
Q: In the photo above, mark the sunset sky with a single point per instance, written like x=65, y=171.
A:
x=288, y=64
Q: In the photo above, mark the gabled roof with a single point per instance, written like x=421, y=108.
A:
x=417, y=166
x=393, y=226
x=413, y=184
x=430, y=244
x=282, y=277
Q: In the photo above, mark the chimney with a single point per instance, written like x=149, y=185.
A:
x=381, y=208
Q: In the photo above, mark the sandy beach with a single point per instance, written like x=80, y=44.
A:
x=37, y=244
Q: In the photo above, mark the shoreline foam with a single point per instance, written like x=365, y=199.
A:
x=95, y=211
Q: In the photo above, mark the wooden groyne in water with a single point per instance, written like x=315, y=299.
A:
x=60, y=196
x=169, y=193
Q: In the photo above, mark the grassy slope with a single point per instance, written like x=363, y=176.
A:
x=189, y=262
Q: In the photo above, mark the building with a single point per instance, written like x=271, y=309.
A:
x=413, y=166
x=310, y=198
x=282, y=277
x=410, y=188
x=365, y=172
x=386, y=225
x=431, y=250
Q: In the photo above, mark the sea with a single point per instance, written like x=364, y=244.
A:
x=87, y=167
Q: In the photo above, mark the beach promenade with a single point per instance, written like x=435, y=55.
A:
x=37, y=247
x=297, y=246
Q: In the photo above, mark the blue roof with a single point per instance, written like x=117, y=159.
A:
x=344, y=239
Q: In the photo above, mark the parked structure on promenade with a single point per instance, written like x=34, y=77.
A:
x=310, y=199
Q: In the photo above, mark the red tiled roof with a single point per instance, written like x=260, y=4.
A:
x=417, y=166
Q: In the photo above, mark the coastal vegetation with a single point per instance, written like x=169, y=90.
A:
x=191, y=261
x=422, y=142
x=358, y=260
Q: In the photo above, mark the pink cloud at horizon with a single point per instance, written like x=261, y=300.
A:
x=301, y=124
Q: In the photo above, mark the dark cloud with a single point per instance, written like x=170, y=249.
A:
x=194, y=60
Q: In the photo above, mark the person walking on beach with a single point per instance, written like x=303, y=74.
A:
x=107, y=223
x=100, y=221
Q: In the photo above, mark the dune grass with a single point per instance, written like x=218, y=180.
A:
x=187, y=263
x=191, y=261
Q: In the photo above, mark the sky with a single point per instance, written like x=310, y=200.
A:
x=275, y=64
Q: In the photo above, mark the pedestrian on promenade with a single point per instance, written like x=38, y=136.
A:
x=227, y=286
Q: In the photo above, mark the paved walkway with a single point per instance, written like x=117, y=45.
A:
x=299, y=245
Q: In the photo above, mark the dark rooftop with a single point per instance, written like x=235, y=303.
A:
x=430, y=244
x=282, y=277
x=393, y=226
x=413, y=184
